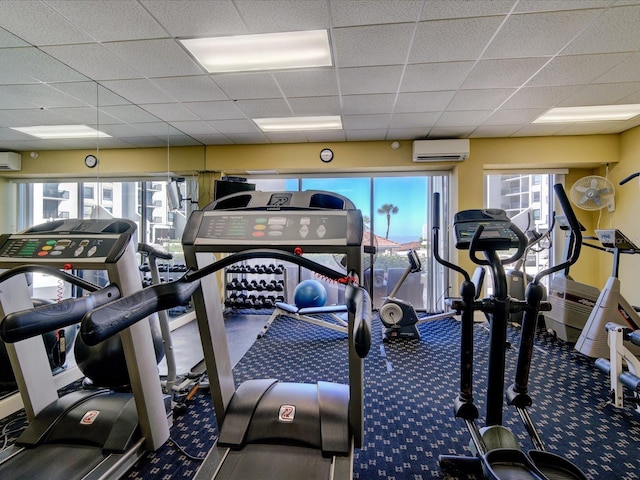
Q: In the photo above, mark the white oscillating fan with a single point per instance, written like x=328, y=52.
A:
x=593, y=193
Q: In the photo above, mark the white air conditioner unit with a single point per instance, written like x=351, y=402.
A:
x=454, y=150
x=10, y=161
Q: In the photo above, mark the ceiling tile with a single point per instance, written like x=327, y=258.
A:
x=414, y=120
x=439, y=10
x=36, y=66
x=311, y=106
x=281, y=15
x=462, y=119
x=307, y=83
x=435, y=76
x=110, y=20
x=546, y=34
x=193, y=18
x=576, y=69
x=626, y=71
x=245, y=127
x=261, y=108
x=10, y=40
x=365, y=135
x=364, y=80
x=606, y=93
x=366, y=122
x=137, y=91
x=37, y=95
x=442, y=41
x=373, y=12
x=616, y=30
x=38, y=24
x=423, y=101
x=365, y=104
x=156, y=58
x=170, y=112
x=224, y=110
x=195, y=128
x=505, y=73
x=530, y=97
x=190, y=89
x=93, y=60
x=487, y=99
x=248, y=85
x=489, y=131
x=372, y=45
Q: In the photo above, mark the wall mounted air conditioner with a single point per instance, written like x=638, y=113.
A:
x=10, y=161
x=454, y=150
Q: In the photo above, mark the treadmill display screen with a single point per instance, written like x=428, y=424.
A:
x=285, y=228
x=73, y=247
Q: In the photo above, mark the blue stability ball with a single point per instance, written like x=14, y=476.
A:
x=309, y=293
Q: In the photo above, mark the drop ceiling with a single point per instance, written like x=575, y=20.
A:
x=403, y=69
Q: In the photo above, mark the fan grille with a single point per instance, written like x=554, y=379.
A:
x=592, y=193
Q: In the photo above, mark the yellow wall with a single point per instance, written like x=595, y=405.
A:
x=626, y=216
x=582, y=155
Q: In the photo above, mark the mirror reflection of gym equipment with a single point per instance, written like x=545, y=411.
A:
x=95, y=433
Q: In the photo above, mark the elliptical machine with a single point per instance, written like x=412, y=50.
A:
x=498, y=451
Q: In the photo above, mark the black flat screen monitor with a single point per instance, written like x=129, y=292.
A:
x=222, y=188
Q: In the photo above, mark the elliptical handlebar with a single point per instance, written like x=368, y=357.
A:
x=576, y=233
x=436, y=240
x=629, y=178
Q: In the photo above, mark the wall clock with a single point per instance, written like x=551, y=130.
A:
x=326, y=155
x=90, y=161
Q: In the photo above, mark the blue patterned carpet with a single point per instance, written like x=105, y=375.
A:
x=410, y=386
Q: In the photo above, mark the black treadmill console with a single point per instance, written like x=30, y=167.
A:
x=614, y=238
x=498, y=231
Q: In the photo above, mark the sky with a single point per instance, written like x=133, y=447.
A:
x=409, y=194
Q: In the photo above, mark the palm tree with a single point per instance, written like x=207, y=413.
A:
x=388, y=209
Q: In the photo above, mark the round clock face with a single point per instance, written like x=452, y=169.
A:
x=90, y=161
x=326, y=155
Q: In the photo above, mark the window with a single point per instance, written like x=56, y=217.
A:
x=518, y=194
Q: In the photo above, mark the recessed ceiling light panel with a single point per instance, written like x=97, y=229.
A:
x=51, y=132
x=268, y=51
x=290, y=124
x=597, y=113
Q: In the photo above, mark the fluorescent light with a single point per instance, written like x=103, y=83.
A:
x=50, y=132
x=597, y=113
x=290, y=124
x=266, y=51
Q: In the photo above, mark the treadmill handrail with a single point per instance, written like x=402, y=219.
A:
x=48, y=270
x=23, y=324
x=359, y=303
x=114, y=317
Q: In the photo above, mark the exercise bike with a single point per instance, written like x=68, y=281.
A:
x=498, y=454
x=400, y=318
x=181, y=387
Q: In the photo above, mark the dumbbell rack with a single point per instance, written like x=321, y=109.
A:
x=243, y=291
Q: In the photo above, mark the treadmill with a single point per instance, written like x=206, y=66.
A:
x=88, y=434
x=268, y=429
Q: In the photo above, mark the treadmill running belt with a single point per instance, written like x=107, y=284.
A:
x=259, y=461
x=68, y=462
